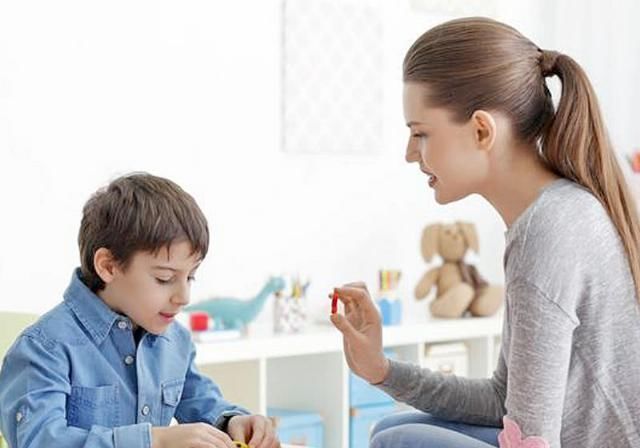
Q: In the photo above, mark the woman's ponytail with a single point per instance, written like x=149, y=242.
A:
x=575, y=145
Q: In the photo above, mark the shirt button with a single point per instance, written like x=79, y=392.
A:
x=122, y=325
x=19, y=417
x=145, y=410
x=128, y=360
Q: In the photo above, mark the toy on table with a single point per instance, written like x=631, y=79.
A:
x=245, y=445
x=235, y=314
x=389, y=303
x=290, y=314
x=199, y=321
x=459, y=286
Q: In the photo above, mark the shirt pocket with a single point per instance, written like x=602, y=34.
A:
x=89, y=406
x=171, y=395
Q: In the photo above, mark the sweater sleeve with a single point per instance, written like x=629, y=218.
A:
x=450, y=397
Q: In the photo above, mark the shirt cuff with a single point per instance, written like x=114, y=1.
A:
x=132, y=435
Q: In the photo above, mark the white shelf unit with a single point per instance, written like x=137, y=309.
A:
x=307, y=371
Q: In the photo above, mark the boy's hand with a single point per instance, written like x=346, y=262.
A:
x=361, y=330
x=191, y=435
x=256, y=430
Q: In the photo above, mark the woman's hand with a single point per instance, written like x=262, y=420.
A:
x=255, y=430
x=191, y=435
x=361, y=330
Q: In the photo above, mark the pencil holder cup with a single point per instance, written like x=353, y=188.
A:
x=289, y=314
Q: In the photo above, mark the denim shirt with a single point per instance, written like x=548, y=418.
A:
x=77, y=379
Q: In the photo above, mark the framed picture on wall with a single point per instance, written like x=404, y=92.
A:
x=332, y=77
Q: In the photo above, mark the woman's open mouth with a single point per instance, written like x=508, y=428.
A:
x=433, y=179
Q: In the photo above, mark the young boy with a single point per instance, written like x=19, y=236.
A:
x=109, y=367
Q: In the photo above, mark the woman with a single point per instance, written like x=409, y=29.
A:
x=482, y=121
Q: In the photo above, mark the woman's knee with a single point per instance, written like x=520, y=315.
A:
x=401, y=436
x=383, y=438
x=401, y=418
x=424, y=436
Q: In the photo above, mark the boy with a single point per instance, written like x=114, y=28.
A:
x=109, y=367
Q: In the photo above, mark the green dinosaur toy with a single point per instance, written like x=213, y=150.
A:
x=234, y=314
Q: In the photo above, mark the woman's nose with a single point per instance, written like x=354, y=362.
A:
x=412, y=155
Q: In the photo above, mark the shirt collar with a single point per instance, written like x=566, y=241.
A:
x=92, y=312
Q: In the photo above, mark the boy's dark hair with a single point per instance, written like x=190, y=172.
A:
x=138, y=212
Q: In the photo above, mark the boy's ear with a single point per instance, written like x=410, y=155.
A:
x=484, y=127
x=104, y=264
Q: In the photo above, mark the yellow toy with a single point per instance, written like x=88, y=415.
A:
x=240, y=444
x=459, y=286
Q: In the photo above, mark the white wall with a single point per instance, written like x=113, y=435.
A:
x=191, y=91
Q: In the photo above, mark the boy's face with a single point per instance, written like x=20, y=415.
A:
x=153, y=288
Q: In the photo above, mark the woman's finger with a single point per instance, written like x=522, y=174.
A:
x=360, y=299
x=343, y=298
x=349, y=293
x=344, y=326
x=360, y=285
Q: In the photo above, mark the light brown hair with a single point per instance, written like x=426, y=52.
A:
x=477, y=63
x=138, y=212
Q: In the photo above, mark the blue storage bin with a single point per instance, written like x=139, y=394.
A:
x=362, y=421
x=298, y=427
x=361, y=393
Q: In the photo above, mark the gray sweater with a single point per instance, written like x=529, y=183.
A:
x=569, y=368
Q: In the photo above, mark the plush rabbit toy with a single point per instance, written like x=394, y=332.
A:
x=459, y=286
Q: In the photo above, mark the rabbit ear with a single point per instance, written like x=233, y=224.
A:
x=470, y=235
x=430, y=237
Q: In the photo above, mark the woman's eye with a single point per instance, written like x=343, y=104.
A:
x=163, y=281
x=418, y=135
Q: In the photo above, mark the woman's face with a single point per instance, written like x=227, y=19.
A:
x=446, y=151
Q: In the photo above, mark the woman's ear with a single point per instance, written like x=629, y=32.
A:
x=484, y=129
x=105, y=265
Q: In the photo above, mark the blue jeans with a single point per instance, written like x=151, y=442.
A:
x=415, y=429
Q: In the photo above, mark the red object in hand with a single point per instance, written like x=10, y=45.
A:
x=334, y=303
x=199, y=321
